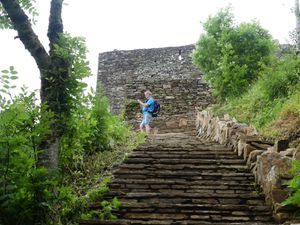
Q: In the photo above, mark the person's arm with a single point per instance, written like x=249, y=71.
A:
x=142, y=103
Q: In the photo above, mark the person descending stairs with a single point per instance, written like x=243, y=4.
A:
x=177, y=178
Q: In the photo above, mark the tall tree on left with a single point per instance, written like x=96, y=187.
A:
x=19, y=15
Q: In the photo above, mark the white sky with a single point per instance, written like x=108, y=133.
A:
x=132, y=24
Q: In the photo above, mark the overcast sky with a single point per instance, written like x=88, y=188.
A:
x=132, y=24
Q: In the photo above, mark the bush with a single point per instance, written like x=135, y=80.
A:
x=272, y=103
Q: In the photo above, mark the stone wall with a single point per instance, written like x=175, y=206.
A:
x=269, y=161
x=167, y=72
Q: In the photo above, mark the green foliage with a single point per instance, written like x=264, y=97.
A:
x=93, y=130
x=294, y=184
x=21, y=131
x=73, y=50
x=231, y=57
x=105, y=207
x=274, y=97
x=105, y=213
x=94, y=141
x=7, y=76
x=27, y=5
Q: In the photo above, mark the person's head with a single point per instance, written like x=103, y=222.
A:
x=148, y=94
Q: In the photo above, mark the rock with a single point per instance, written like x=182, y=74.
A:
x=261, y=145
x=253, y=156
x=166, y=86
x=169, y=97
x=271, y=167
x=282, y=217
x=183, y=122
x=288, y=152
x=247, y=150
x=296, y=154
x=241, y=147
x=279, y=207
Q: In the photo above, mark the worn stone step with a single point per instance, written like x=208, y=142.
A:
x=183, y=200
x=183, y=155
x=133, y=205
x=184, y=190
x=157, y=166
x=195, y=213
x=169, y=194
x=184, y=161
x=191, y=150
x=184, y=176
x=166, y=222
x=188, y=174
x=198, y=217
x=184, y=181
x=187, y=187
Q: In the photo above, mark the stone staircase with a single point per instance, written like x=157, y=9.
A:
x=180, y=179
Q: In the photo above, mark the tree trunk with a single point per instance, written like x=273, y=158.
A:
x=297, y=14
x=53, y=70
x=53, y=89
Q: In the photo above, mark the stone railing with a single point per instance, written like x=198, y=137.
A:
x=269, y=161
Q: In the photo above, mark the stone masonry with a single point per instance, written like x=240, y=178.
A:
x=168, y=72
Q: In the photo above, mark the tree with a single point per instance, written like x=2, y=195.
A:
x=54, y=69
x=297, y=14
x=231, y=56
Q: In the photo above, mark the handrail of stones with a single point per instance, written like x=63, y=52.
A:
x=268, y=161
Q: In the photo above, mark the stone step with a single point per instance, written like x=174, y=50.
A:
x=133, y=205
x=157, y=166
x=183, y=176
x=182, y=155
x=187, y=174
x=176, y=181
x=186, y=148
x=167, y=222
x=190, y=160
x=184, y=200
x=196, y=216
x=173, y=194
x=188, y=187
x=184, y=190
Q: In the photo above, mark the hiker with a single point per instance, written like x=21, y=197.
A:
x=147, y=116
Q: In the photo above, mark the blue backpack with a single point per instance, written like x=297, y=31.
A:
x=156, y=109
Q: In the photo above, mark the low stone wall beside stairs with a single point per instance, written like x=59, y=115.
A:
x=269, y=161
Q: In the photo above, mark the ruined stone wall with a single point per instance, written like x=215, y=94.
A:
x=167, y=72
